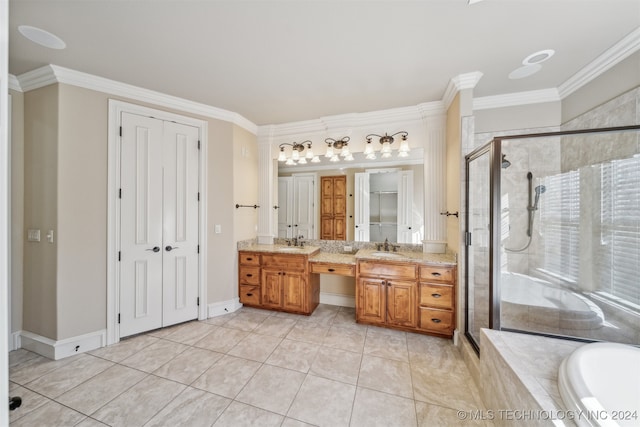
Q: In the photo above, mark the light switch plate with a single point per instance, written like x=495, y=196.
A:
x=218, y=228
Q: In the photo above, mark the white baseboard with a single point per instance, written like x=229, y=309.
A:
x=456, y=338
x=337, y=299
x=15, y=340
x=64, y=348
x=224, y=307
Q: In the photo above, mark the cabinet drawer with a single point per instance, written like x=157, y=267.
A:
x=250, y=294
x=285, y=262
x=434, y=320
x=440, y=274
x=249, y=275
x=440, y=296
x=249, y=258
x=342, y=269
x=377, y=268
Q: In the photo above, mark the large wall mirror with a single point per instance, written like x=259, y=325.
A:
x=361, y=200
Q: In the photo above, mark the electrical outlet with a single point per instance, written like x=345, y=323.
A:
x=33, y=235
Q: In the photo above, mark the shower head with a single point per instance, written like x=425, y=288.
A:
x=540, y=189
x=505, y=163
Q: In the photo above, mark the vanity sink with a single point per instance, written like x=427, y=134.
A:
x=386, y=254
x=291, y=249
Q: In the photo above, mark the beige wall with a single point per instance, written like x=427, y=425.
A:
x=40, y=209
x=518, y=117
x=616, y=81
x=245, y=182
x=17, y=207
x=453, y=154
x=66, y=190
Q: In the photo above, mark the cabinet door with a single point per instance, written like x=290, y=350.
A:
x=401, y=303
x=271, y=288
x=371, y=294
x=293, y=289
x=405, y=207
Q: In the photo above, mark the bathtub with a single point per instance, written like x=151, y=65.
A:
x=600, y=385
x=529, y=303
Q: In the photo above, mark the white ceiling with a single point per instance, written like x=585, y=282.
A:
x=285, y=61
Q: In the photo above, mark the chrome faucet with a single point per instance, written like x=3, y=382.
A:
x=296, y=240
x=386, y=244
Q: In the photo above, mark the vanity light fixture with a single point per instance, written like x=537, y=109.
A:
x=386, y=141
x=296, y=149
x=337, y=148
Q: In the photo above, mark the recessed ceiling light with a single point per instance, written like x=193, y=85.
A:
x=538, y=57
x=524, y=71
x=42, y=37
x=474, y=1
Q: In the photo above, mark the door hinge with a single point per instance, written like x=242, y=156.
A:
x=198, y=144
x=120, y=193
x=120, y=130
x=118, y=317
x=119, y=255
x=198, y=196
x=467, y=238
x=198, y=302
x=198, y=248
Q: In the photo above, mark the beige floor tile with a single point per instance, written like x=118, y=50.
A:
x=386, y=343
x=389, y=376
x=186, y=367
x=190, y=332
x=373, y=408
x=296, y=355
x=347, y=319
x=222, y=339
x=90, y=422
x=246, y=321
x=275, y=326
x=30, y=401
x=238, y=414
x=152, y=357
x=308, y=332
x=27, y=368
x=50, y=414
x=69, y=376
x=323, y=402
x=322, y=315
x=435, y=352
x=193, y=408
x=227, y=376
x=220, y=320
x=451, y=389
x=272, y=388
x=349, y=339
x=255, y=347
x=290, y=422
x=19, y=356
x=138, y=404
x=335, y=364
x=438, y=416
x=125, y=348
x=91, y=395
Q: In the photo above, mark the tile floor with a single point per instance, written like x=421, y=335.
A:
x=251, y=368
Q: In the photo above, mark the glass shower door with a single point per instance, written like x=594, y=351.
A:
x=477, y=243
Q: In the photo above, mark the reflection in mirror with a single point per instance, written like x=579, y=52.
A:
x=361, y=200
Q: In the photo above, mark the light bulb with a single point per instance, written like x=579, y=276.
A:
x=295, y=155
x=386, y=155
x=315, y=159
x=349, y=157
x=309, y=153
x=371, y=156
x=329, y=152
x=386, y=148
x=368, y=148
x=334, y=158
x=302, y=161
x=282, y=157
x=404, y=146
x=290, y=162
x=403, y=154
x=345, y=151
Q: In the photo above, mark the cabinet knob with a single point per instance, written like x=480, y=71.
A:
x=436, y=320
x=249, y=259
x=331, y=269
x=249, y=275
x=436, y=274
x=436, y=295
x=249, y=295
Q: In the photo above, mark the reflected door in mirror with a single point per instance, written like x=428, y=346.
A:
x=333, y=214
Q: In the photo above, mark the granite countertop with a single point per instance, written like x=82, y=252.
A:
x=316, y=255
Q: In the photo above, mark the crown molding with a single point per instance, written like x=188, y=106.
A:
x=516, y=98
x=458, y=83
x=13, y=83
x=50, y=74
x=611, y=57
x=345, y=123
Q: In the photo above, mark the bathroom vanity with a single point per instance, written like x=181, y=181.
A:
x=410, y=291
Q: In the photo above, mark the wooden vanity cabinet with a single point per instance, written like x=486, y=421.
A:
x=278, y=282
x=386, y=293
x=407, y=296
x=437, y=299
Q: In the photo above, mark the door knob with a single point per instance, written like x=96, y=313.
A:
x=154, y=249
x=169, y=248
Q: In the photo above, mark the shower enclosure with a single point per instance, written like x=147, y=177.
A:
x=552, y=240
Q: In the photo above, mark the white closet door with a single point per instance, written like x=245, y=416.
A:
x=303, y=206
x=141, y=225
x=405, y=207
x=285, y=207
x=361, y=207
x=180, y=223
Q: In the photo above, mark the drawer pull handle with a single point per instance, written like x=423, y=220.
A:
x=249, y=259
x=331, y=269
x=436, y=320
x=249, y=295
x=436, y=295
x=249, y=275
x=436, y=274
